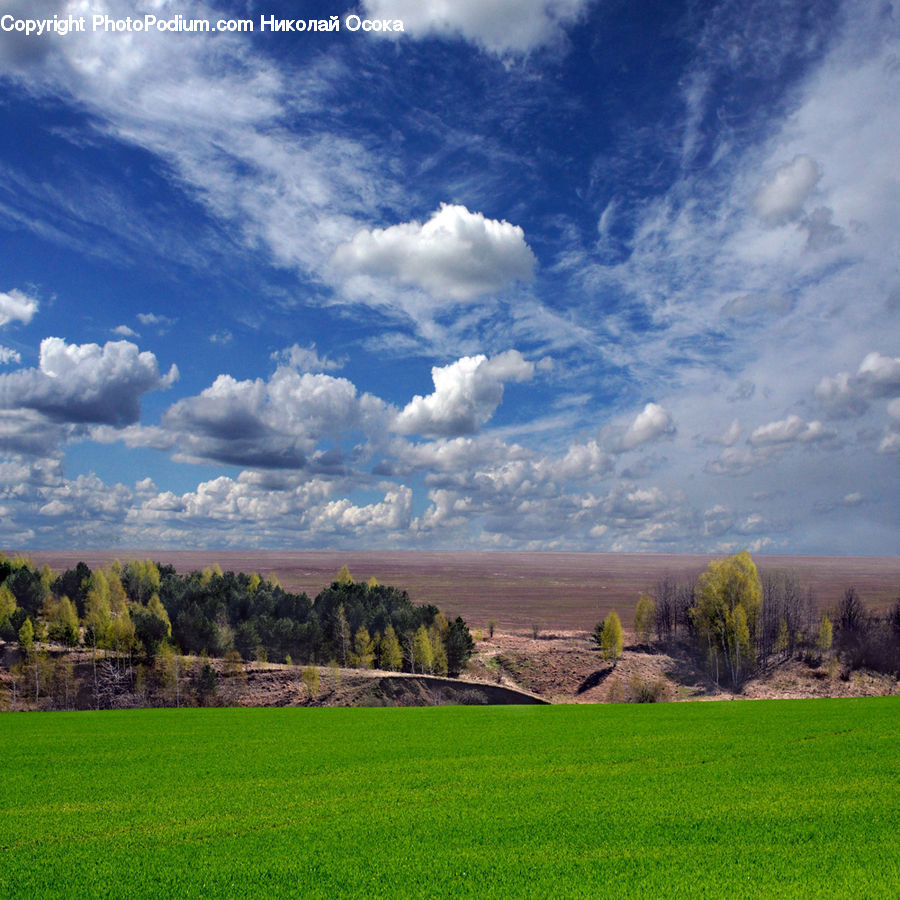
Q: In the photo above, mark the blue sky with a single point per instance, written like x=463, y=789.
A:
x=531, y=274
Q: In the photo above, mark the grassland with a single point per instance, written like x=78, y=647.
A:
x=763, y=799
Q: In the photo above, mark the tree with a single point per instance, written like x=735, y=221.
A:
x=460, y=646
x=422, y=654
x=644, y=617
x=344, y=578
x=390, y=654
x=726, y=614
x=363, y=653
x=311, y=682
x=7, y=608
x=342, y=632
x=207, y=685
x=438, y=650
x=612, y=640
x=62, y=621
x=26, y=637
x=823, y=642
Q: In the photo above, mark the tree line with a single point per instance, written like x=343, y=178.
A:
x=737, y=622
x=146, y=611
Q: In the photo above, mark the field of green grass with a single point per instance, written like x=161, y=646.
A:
x=761, y=799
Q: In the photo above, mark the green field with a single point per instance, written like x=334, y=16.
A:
x=780, y=798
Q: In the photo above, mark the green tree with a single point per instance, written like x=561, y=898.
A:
x=438, y=650
x=362, y=656
x=311, y=681
x=26, y=637
x=826, y=632
x=612, y=640
x=62, y=621
x=422, y=653
x=460, y=646
x=344, y=578
x=726, y=614
x=644, y=617
x=342, y=633
x=390, y=654
x=207, y=685
x=7, y=606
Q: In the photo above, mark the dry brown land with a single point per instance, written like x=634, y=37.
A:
x=553, y=591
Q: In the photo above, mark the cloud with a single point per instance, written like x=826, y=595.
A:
x=782, y=196
x=8, y=355
x=651, y=423
x=307, y=359
x=728, y=437
x=456, y=255
x=749, y=305
x=500, y=27
x=847, y=396
x=85, y=383
x=17, y=307
x=466, y=395
x=789, y=431
x=124, y=331
x=163, y=323
x=273, y=424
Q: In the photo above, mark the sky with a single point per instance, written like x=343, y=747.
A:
x=600, y=275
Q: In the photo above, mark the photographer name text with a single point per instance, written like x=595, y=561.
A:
x=71, y=24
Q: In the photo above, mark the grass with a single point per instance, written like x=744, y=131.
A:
x=762, y=799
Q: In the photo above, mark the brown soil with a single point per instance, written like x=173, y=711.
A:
x=571, y=591
x=507, y=668
x=567, y=668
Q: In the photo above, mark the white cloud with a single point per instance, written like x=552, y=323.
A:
x=788, y=431
x=748, y=305
x=782, y=196
x=456, y=255
x=849, y=396
x=466, y=395
x=8, y=355
x=273, y=424
x=307, y=359
x=501, y=26
x=651, y=423
x=124, y=331
x=163, y=323
x=728, y=437
x=85, y=383
x=17, y=307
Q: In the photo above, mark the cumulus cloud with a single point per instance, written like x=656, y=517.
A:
x=124, y=331
x=17, y=307
x=466, y=395
x=85, y=383
x=272, y=424
x=847, y=396
x=500, y=27
x=456, y=255
x=782, y=196
x=651, y=423
x=789, y=431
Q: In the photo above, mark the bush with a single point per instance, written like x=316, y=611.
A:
x=643, y=690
